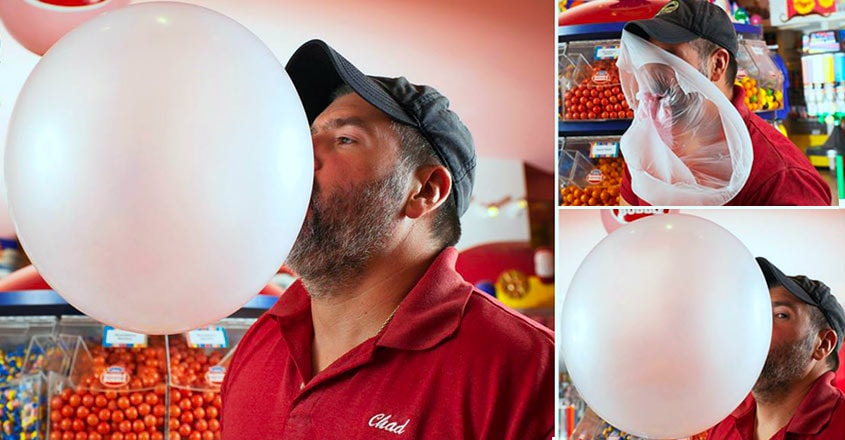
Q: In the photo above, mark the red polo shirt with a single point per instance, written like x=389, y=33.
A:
x=820, y=416
x=780, y=175
x=454, y=363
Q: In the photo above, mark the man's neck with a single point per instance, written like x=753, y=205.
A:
x=774, y=412
x=356, y=310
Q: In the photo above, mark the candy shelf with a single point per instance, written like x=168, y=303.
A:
x=608, y=31
x=601, y=31
x=575, y=128
x=598, y=31
x=48, y=302
x=807, y=23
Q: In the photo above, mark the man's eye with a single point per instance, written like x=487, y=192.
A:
x=781, y=315
x=344, y=140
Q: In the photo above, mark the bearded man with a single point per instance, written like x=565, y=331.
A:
x=381, y=338
x=794, y=398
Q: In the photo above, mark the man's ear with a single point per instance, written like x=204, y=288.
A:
x=825, y=345
x=719, y=62
x=430, y=189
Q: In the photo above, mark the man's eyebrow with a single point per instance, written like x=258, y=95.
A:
x=789, y=304
x=340, y=122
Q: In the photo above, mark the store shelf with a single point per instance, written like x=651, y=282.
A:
x=811, y=23
x=599, y=31
x=591, y=128
x=768, y=115
x=747, y=29
x=48, y=302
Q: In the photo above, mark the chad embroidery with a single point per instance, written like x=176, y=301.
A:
x=383, y=422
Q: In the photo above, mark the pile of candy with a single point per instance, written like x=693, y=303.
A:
x=604, y=193
x=22, y=399
x=597, y=97
x=194, y=396
x=194, y=415
x=11, y=362
x=760, y=98
x=134, y=410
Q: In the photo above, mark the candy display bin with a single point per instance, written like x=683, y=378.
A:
x=758, y=75
x=24, y=363
x=197, y=367
x=116, y=386
x=590, y=81
x=48, y=353
x=590, y=171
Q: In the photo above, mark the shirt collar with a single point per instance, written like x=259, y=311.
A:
x=432, y=310
x=817, y=407
x=430, y=313
x=811, y=416
x=744, y=414
x=293, y=304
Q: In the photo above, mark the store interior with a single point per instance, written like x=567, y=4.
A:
x=58, y=365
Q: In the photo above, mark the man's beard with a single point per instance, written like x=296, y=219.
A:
x=784, y=364
x=344, y=229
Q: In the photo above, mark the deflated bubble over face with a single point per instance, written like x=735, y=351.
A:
x=687, y=144
x=671, y=107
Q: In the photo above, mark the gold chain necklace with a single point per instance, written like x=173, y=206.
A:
x=388, y=319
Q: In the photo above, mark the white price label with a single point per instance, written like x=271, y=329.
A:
x=211, y=337
x=607, y=52
x=604, y=149
x=113, y=337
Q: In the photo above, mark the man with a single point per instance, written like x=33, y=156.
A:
x=701, y=33
x=381, y=338
x=795, y=398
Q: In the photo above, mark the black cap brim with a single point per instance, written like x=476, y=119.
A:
x=661, y=30
x=316, y=71
x=774, y=277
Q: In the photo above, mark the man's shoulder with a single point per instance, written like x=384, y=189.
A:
x=772, y=148
x=510, y=330
x=781, y=174
x=840, y=401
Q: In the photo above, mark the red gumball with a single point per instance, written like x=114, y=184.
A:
x=150, y=420
x=131, y=413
